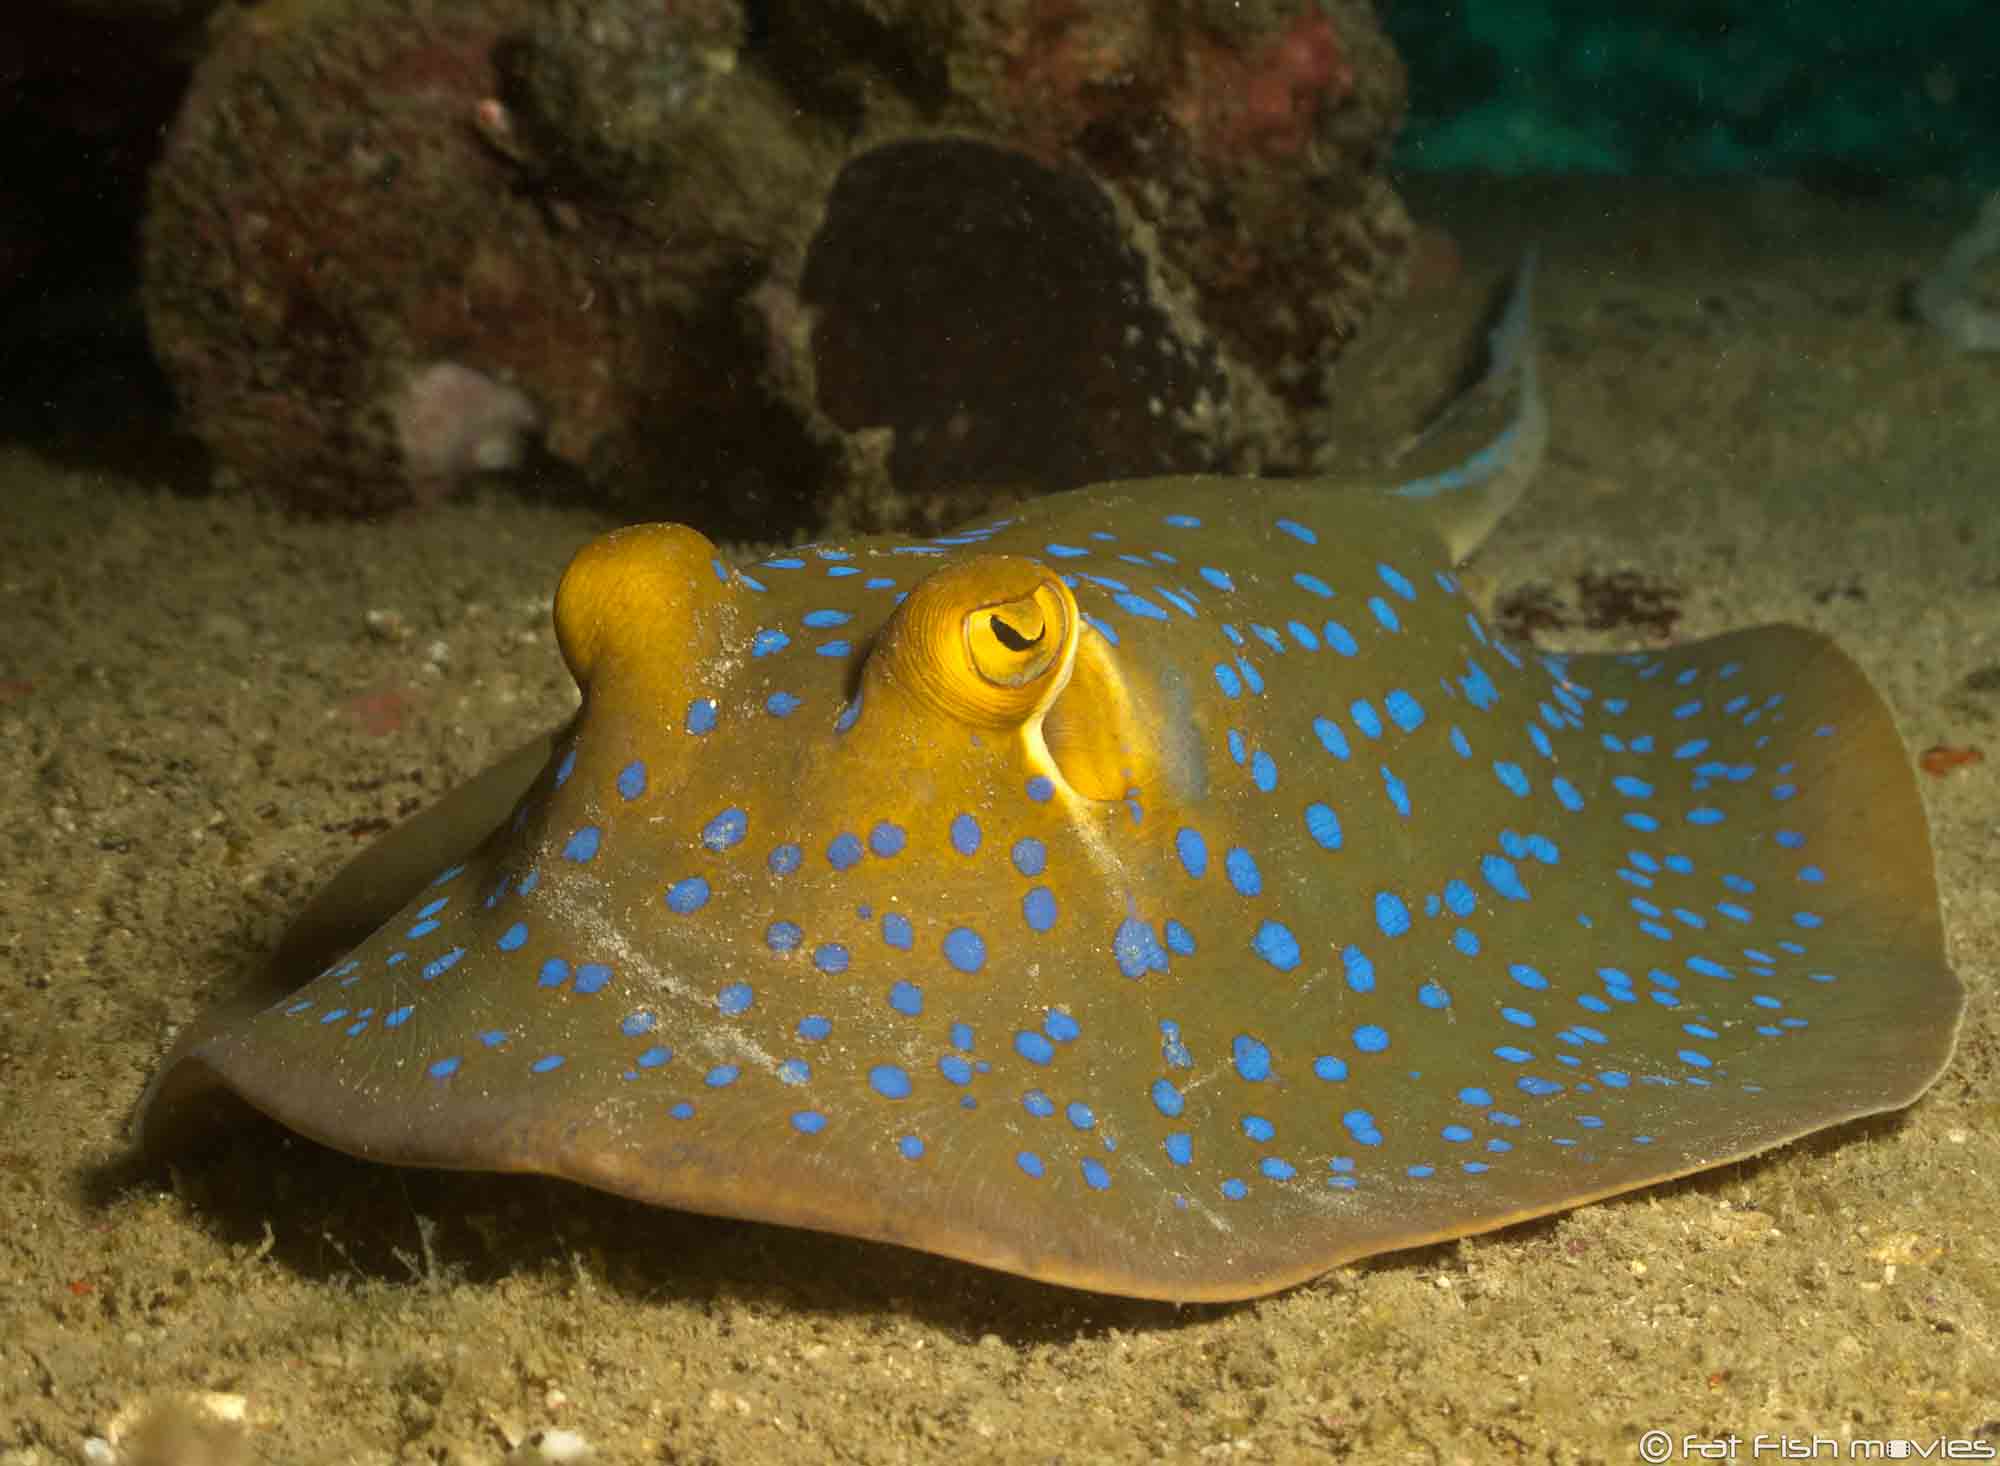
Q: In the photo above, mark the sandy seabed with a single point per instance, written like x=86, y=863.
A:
x=200, y=725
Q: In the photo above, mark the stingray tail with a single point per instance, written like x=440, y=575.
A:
x=1471, y=464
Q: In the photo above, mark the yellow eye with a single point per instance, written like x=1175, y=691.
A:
x=629, y=590
x=1013, y=643
x=988, y=642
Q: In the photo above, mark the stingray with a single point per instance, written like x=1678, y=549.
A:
x=1175, y=888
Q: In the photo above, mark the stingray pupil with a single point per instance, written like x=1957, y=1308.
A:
x=1011, y=639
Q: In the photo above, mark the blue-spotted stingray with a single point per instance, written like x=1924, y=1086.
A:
x=1174, y=889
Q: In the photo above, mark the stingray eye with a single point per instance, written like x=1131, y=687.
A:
x=627, y=592
x=1011, y=644
x=988, y=642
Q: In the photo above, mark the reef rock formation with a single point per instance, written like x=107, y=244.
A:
x=763, y=267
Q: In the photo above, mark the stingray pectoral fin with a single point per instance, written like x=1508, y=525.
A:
x=366, y=892
x=370, y=888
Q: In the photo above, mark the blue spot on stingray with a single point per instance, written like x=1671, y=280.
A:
x=1392, y=915
x=1041, y=788
x=632, y=780
x=726, y=829
x=1038, y=908
x=1361, y=1126
x=1138, y=605
x=1499, y=874
x=1263, y=771
x=783, y=936
x=887, y=840
x=1384, y=613
x=1478, y=687
x=1330, y=737
x=1030, y=856
x=1136, y=949
x=512, y=939
x=889, y=1081
x=1034, y=1047
x=1242, y=870
x=1313, y=583
x=1396, y=581
x=784, y=859
x=830, y=958
x=781, y=704
x=964, y=949
x=701, y=715
x=1323, y=825
x=686, y=895
x=822, y=620
x=1360, y=972
x=843, y=852
x=735, y=999
x=1192, y=850
x=768, y=640
x=1340, y=639
x=1251, y=1058
x=897, y=931
x=1275, y=943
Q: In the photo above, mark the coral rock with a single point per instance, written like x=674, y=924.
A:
x=872, y=261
